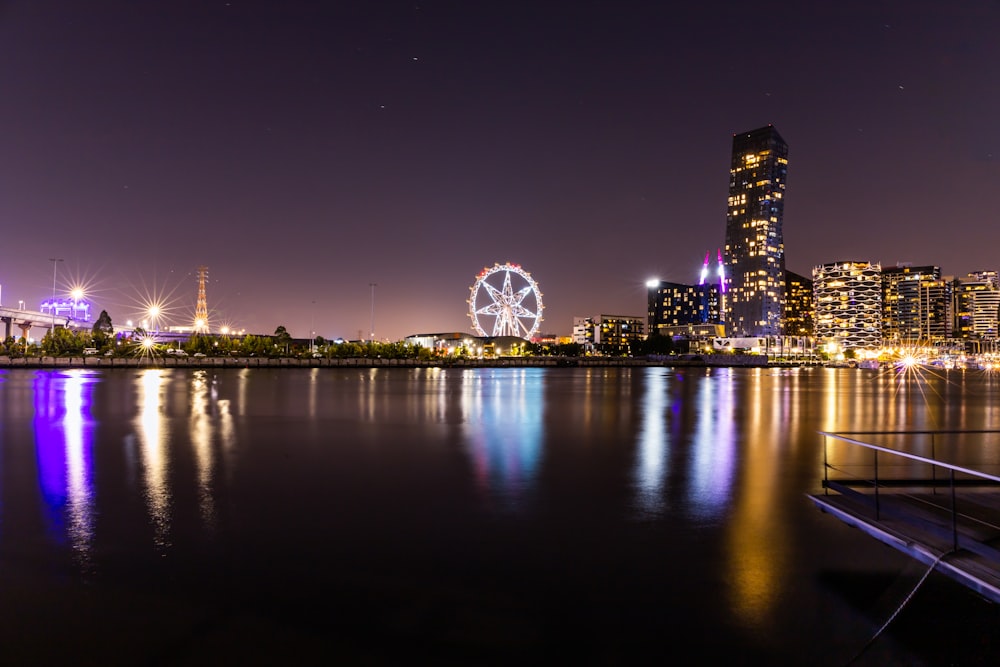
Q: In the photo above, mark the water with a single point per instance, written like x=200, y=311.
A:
x=474, y=516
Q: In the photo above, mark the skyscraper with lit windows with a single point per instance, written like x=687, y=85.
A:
x=755, y=247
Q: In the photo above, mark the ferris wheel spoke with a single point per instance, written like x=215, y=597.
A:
x=519, y=297
x=521, y=311
x=491, y=309
x=493, y=292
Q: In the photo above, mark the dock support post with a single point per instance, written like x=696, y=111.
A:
x=933, y=468
x=878, y=516
x=826, y=467
x=954, y=515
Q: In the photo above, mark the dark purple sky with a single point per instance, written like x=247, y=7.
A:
x=303, y=150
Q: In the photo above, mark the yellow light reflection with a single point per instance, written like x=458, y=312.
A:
x=200, y=432
x=152, y=448
x=757, y=537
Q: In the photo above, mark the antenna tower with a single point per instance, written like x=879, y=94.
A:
x=201, y=309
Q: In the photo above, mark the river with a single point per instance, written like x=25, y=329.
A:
x=461, y=516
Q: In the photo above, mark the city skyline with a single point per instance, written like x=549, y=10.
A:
x=304, y=153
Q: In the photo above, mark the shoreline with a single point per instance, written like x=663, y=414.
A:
x=94, y=362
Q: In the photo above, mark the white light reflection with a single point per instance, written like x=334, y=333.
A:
x=715, y=449
x=652, y=446
x=367, y=396
x=313, y=388
x=152, y=433
x=79, y=482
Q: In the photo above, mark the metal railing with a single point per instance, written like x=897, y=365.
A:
x=955, y=474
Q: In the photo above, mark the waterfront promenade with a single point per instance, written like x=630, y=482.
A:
x=719, y=360
x=321, y=362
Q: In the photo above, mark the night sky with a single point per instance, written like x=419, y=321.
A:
x=304, y=150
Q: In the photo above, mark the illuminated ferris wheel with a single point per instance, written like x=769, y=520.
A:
x=507, y=300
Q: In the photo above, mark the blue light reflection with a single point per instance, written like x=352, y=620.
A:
x=503, y=423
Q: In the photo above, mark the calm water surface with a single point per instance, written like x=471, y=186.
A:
x=475, y=516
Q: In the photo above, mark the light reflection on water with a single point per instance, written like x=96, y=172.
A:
x=64, y=450
x=692, y=479
x=714, y=443
x=502, y=423
x=653, y=445
x=204, y=394
x=153, y=431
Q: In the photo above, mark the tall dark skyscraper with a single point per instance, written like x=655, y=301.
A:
x=755, y=247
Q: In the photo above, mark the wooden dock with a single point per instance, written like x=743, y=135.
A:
x=948, y=517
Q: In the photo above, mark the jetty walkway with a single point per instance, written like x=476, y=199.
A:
x=934, y=495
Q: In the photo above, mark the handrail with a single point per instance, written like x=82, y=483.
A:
x=914, y=457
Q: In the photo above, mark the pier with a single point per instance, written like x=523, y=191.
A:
x=933, y=495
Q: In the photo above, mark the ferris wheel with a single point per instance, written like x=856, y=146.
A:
x=506, y=299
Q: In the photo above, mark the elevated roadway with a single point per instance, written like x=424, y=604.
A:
x=25, y=320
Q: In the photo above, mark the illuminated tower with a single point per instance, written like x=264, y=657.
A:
x=201, y=309
x=755, y=247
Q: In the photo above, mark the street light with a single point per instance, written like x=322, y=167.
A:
x=154, y=313
x=55, y=262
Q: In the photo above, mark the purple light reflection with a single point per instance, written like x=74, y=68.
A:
x=64, y=451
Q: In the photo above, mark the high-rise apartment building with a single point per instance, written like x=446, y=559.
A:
x=616, y=334
x=848, y=300
x=755, y=247
x=977, y=306
x=799, y=309
x=916, y=304
x=677, y=309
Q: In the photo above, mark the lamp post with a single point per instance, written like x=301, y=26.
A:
x=55, y=262
x=372, y=330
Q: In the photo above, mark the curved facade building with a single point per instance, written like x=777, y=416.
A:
x=848, y=301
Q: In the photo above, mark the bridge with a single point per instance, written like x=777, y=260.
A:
x=26, y=319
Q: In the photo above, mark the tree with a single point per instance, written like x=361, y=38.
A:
x=656, y=343
x=282, y=338
x=102, y=331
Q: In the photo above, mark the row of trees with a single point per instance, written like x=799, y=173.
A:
x=102, y=340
